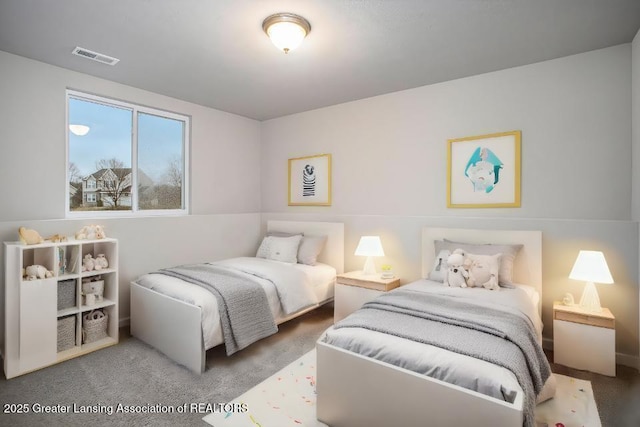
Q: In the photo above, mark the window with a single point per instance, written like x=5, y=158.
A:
x=125, y=158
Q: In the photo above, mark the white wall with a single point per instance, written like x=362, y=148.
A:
x=225, y=167
x=389, y=168
x=389, y=152
x=225, y=148
x=635, y=120
x=635, y=114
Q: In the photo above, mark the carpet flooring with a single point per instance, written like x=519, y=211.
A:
x=138, y=377
x=134, y=374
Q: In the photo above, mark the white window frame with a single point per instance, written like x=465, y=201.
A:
x=135, y=109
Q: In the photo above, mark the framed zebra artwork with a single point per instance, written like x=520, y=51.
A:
x=484, y=171
x=310, y=180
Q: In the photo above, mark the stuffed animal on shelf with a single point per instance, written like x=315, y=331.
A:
x=88, y=263
x=29, y=236
x=91, y=232
x=100, y=262
x=35, y=272
x=456, y=274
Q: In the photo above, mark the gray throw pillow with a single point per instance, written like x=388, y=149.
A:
x=310, y=248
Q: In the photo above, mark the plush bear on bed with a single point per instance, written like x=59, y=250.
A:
x=456, y=275
x=483, y=271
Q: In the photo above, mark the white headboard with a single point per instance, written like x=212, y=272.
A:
x=528, y=263
x=333, y=252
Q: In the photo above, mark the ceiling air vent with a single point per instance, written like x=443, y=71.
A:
x=95, y=56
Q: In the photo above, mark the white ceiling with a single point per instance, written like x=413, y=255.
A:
x=214, y=52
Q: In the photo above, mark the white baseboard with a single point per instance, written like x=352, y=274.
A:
x=628, y=360
x=621, y=358
x=124, y=322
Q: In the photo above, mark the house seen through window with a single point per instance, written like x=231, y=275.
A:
x=125, y=158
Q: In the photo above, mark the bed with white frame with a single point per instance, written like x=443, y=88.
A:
x=355, y=390
x=174, y=327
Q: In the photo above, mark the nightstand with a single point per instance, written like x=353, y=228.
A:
x=584, y=339
x=353, y=289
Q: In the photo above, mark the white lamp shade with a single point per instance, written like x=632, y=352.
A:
x=590, y=266
x=369, y=246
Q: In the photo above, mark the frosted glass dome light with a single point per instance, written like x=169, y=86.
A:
x=286, y=30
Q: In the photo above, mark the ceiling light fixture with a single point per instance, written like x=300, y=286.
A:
x=286, y=30
x=80, y=130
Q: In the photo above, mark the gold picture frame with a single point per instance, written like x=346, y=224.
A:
x=310, y=180
x=484, y=171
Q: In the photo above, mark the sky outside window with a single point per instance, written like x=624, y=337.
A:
x=109, y=135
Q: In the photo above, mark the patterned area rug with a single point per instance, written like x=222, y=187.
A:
x=573, y=405
x=288, y=398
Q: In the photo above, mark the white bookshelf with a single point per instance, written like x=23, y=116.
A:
x=31, y=306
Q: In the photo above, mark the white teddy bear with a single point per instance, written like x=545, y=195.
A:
x=456, y=274
x=88, y=263
x=100, y=262
x=481, y=272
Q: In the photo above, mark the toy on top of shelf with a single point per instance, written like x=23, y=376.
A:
x=34, y=272
x=29, y=236
x=91, y=232
x=57, y=238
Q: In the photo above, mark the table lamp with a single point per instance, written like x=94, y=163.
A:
x=369, y=246
x=591, y=267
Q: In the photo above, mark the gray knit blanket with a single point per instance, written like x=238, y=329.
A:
x=495, y=334
x=244, y=310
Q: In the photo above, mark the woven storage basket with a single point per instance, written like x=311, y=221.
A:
x=66, y=294
x=66, y=333
x=94, y=326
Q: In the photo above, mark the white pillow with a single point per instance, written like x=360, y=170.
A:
x=284, y=249
x=263, y=250
x=310, y=248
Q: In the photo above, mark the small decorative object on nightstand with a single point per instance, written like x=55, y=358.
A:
x=387, y=272
x=355, y=288
x=584, y=339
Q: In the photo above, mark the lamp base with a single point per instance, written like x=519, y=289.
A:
x=590, y=300
x=369, y=267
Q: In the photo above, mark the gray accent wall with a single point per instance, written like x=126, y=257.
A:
x=389, y=169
